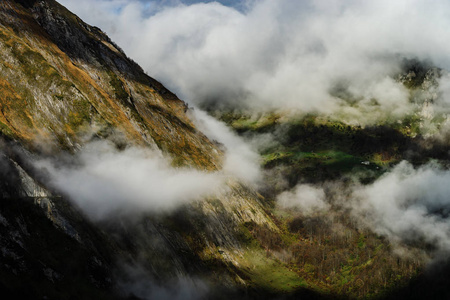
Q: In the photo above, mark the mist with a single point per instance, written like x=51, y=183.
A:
x=409, y=205
x=306, y=198
x=242, y=160
x=104, y=181
x=313, y=56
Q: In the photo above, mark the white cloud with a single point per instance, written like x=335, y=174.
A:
x=241, y=160
x=282, y=54
x=409, y=205
x=304, y=197
x=104, y=181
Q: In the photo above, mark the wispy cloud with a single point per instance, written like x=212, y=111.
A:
x=241, y=160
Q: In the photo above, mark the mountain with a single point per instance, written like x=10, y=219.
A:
x=61, y=77
x=64, y=85
x=89, y=143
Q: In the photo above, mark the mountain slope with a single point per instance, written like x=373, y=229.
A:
x=61, y=78
x=65, y=84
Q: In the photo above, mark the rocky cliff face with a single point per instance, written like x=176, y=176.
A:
x=63, y=84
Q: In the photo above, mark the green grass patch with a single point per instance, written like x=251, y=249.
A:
x=263, y=270
x=274, y=276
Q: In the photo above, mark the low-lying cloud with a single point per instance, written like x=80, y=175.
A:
x=326, y=56
x=409, y=205
x=306, y=198
x=103, y=180
x=241, y=160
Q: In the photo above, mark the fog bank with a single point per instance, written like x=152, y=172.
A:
x=339, y=56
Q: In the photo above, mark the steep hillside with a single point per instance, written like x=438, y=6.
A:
x=64, y=84
x=97, y=160
x=64, y=81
